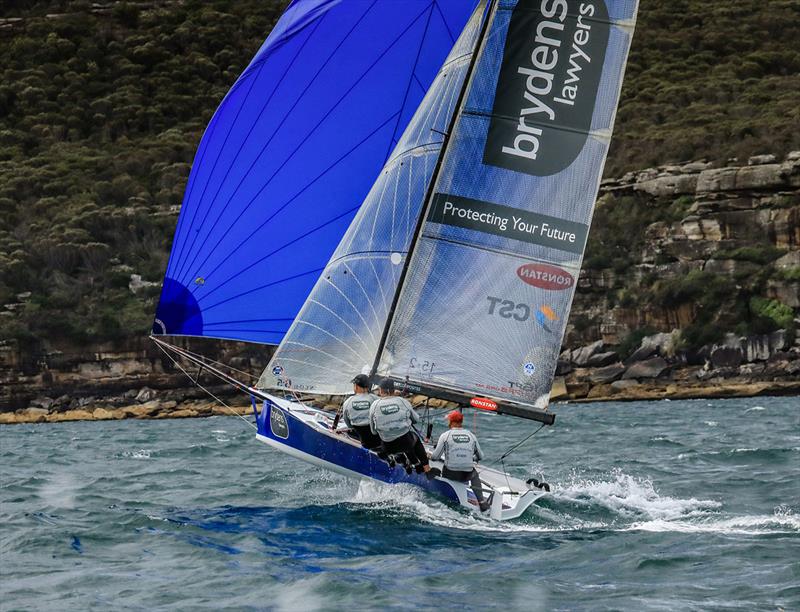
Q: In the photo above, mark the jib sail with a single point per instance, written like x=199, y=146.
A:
x=337, y=332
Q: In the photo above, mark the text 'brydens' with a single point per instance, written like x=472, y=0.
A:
x=543, y=107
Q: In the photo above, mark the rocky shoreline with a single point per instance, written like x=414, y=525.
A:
x=656, y=370
x=156, y=409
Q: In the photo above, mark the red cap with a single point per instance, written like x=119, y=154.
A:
x=455, y=417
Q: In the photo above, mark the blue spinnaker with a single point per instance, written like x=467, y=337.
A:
x=290, y=155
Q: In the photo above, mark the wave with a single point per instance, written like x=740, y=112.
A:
x=617, y=502
x=747, y=524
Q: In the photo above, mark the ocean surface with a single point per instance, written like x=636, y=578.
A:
x=682, y=505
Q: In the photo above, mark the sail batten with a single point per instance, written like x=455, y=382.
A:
x=504, y=232
x=353, y=297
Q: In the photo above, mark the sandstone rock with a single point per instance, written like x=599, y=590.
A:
x=8, y=418
x=563, y=367
x=101, y=414
x=607, y=374
x=559, y=389
x=731, y=267
x=651, y=368
x=224, y=411
x=668, y=185
x=599, y=360
x=136, y=283
x=70, y=415
x=658, y=344
x=30, y=415
x=33, y=412
x=751, y=369
x=178, y=414
x=142, y=411
x=717, y=179
x=761, y=348
x=145, y=394
x=701, y=228
x=202, y=409
x=757, y=160
x=619, y=386
x=726, y=357
x=790, y=260
x=599, y=391
x=581, y=356
x=43, y=402
x=576, y=390
x=759, y=177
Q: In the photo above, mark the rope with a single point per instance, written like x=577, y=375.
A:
x=515, y=447
x=213, y=362
x=189, y=376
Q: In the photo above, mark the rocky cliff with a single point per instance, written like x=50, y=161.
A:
x=690, y=287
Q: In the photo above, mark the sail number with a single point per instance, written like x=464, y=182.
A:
x=423, y=367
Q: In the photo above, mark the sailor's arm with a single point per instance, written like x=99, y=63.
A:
x=478, y=451
x=372, y=418
x=346, y=411
x=439, y=450
x=412, y=413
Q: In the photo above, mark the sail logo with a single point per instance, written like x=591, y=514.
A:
x=548, y=84
x=544, y=315
x=484, y=403
x=545, y=276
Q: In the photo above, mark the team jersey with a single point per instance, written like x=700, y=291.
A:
x=355, y=409
x=390, y=417
x=460, y=448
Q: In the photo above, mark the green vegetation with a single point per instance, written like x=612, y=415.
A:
x=102, y=108
x=762, y=254
x=709, y=79
x=100, y=115
x=780, y=314
x=789, y=274
x=618, y=231
x=633, y=340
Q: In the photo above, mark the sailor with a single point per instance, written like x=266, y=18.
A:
x=392, y=419
x=459, y=449
x=355, y=412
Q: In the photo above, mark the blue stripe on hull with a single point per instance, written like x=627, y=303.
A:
x=306, y=439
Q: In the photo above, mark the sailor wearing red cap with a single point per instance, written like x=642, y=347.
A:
x=459, y=449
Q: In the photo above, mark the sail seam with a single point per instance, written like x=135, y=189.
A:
x=298, y=147
x=247, y=136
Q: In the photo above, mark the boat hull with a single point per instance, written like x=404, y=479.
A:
x=306, y=434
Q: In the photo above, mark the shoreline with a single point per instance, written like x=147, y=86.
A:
x=155, y=409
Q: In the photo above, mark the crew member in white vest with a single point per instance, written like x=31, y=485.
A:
x=355, y=412
x=458, y=449
x=392, y=419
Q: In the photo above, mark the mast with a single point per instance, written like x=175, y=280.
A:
x=432, y=185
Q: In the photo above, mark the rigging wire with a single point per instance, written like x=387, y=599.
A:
x=197, y=382
x=213, y=362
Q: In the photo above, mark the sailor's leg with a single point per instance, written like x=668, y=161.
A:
x=477, y=487
x=419, y=454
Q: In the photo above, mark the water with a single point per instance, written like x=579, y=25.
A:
x=655, y=506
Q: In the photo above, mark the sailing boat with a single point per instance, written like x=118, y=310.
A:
x=402, y=190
